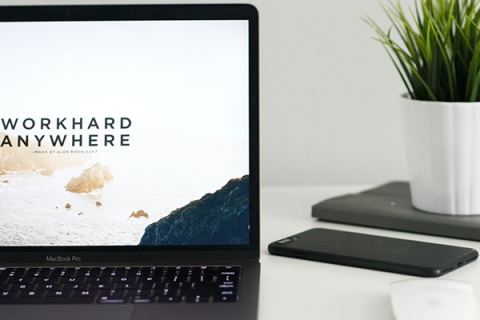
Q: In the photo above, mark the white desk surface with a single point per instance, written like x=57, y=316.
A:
x=301, y=289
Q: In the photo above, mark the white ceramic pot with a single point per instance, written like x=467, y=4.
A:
x=443, y=155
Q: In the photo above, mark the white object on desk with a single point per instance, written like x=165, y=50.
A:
x=436, y=299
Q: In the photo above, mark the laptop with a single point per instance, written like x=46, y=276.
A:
x=129, y=162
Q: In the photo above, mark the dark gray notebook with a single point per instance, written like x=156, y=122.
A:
x=390, y=207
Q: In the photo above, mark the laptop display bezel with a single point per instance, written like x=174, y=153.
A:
x=102, y=254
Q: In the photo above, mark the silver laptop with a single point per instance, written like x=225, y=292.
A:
x=129, y=174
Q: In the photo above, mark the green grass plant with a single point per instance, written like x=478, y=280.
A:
x=435, y=48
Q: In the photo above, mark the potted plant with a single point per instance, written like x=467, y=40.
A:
x=435, y=47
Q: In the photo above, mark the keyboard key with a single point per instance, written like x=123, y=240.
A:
x=75, y=286
x=101, y=286
x=197, y=298
x=112, y=299
x=85, y=293
x=30, y=293
x=54, y=286
x=96, y=280
x=46, y=280
x=7, y=294
x=169, y=299
x=220, y=298
x=58, y=293
x=16, y=280
x=143, y=299
x=93, y=272
x=24, y=286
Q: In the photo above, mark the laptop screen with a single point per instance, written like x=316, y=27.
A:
x=125, y=133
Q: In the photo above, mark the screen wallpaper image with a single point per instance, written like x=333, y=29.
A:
x=124, y=133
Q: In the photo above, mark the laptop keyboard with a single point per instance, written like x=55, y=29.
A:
x=193, y=284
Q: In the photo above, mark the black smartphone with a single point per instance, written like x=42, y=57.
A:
x=416, y=258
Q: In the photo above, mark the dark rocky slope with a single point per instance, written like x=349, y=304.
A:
x=219, y=218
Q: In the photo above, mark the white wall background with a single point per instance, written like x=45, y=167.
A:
x=329, y=95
